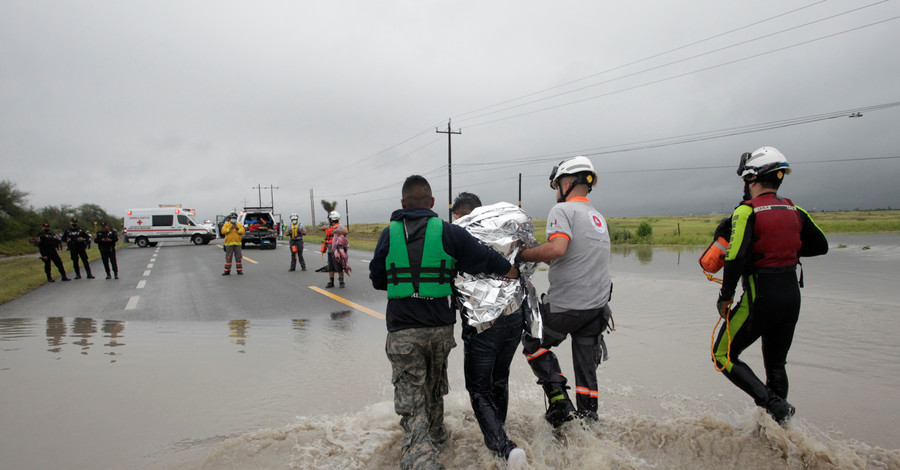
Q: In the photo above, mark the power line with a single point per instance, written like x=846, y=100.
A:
x=758, y=38
x=681, y=75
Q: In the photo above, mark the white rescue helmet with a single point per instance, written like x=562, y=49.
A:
x=761, y=161
x=579, y=166
x=295, y=217
x=333, y=215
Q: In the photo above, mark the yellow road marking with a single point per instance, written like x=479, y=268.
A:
x=250, y=260
x=347, y=302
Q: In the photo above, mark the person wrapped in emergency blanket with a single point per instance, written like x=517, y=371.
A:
x=507, y=229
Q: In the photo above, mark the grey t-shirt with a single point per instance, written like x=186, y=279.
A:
x=579, y=280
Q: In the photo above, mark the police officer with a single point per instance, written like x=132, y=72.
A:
x=415, y=260
x=47, y=245
x=76, y=240
x=106, y=243
x=296, y=233
x=578, y=252
x=769, y=234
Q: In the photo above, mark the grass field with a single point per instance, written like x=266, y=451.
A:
x=19, y=275
x=673, y=230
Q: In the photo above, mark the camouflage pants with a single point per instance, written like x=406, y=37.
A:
x=419, y=373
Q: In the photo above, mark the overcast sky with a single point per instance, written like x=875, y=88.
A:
x=132, y=104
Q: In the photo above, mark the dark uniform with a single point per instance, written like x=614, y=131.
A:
x=106, y=243
x=47, y=245
x=76, y=240
x=415, y=260
x=769, y=234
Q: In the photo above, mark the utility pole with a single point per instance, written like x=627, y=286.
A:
x=449, y=166
x=520, y=190
x=312, y=208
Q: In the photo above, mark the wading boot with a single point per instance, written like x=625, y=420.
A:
x=561, y=408
x=779, y=409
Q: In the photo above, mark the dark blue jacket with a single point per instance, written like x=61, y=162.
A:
x=471, y=257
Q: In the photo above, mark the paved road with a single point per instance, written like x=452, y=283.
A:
x=178, y=281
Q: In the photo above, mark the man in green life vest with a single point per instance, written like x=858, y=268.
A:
x=415, y=261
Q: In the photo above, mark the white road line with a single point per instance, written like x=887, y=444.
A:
x=141, y=284
x=146, y=273
x=132, y=302
x=149, y=265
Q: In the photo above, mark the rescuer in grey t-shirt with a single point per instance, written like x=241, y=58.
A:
x=579, y=279
x=577, y=250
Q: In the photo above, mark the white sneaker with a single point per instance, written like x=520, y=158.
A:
x=516, y=459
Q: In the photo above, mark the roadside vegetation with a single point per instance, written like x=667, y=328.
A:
x=669, y=230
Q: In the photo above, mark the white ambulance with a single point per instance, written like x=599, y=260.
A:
x=147, y=227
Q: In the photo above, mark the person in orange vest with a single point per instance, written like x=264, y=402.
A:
x=234, y=233
x=296, y=232
x=334, y=228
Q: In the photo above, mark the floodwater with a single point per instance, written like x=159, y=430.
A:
x=313, y=391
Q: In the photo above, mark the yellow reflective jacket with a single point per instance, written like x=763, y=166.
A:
x=233, y=233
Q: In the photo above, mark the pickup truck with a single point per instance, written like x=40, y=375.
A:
x=259, y=226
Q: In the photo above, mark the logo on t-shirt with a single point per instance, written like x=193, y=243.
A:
x=597, y=222
x=555, y=222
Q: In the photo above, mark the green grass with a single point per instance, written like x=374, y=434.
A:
x=21, y=275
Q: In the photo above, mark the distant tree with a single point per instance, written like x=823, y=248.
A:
x=329, y=206
x=644, y=230
x=15, y=219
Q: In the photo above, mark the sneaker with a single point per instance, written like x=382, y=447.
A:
x=779, y=409
x=108, y=276
x=78, y=276
x=65, y=279
x=516, y=459
x=330, y=284
x=90, y=276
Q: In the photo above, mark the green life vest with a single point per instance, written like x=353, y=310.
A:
x=433, y=278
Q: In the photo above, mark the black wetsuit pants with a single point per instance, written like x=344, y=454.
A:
x=768, y=309
x=486, y=365
x=585, y=327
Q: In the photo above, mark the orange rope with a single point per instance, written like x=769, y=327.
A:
x=710, y=277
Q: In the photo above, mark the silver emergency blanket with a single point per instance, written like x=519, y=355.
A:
x=507, y=229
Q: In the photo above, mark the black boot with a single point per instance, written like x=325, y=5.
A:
x=50, y=279
x=330, y=284
x=779, y=409
x=116, y=274
x=561, y=408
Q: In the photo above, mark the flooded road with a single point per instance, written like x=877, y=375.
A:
x=301, y=381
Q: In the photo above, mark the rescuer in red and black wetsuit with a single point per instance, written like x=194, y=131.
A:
x=769, y=234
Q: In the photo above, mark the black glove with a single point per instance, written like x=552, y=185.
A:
x=723, y=307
